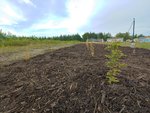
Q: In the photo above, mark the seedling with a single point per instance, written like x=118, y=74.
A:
x=113, y=62
x=90, y=47
x=87, y=44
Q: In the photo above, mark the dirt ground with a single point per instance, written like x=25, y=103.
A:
x=70, y=80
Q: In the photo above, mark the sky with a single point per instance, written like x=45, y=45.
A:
x=59, y=17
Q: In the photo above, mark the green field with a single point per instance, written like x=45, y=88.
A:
x=17, y=44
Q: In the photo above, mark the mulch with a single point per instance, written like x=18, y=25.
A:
x=70, y=80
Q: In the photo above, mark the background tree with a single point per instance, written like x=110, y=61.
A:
x=100, y=35
x=90, y=35
x=67, y=37
x=93, y=35
x=86, y=36
x=2, y=35
x=106, y=36
x=125, y=36
x=141, y=35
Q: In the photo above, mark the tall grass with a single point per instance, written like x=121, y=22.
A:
x=4, y=42
x=11, y=45
x=13, y=42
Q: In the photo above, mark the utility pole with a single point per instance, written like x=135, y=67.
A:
x=132, y=42
x=133, y=29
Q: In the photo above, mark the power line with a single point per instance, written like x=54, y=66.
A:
x=130, y=27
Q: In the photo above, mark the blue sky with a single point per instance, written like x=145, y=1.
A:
x=56, y=17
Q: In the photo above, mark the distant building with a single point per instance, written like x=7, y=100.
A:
x=147, y=37
x=115, y=40
x=95, y=40
x=144, y=39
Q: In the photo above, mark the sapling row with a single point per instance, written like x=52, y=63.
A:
x=114, y=64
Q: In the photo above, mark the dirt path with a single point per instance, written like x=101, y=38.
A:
x=69, y=80
x=25, y=54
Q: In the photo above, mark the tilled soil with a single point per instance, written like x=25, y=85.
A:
x=70, y=80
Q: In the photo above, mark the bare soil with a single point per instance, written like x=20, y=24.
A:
x=70, y=80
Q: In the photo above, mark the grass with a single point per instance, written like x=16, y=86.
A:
x=13, y=49
x=10, y=45
x=144, y=45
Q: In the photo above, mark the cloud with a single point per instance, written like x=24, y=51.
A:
x=72, y=16
x=11, y=30
x=9, y=14
x=28, y=2
x=79, y=12
x=116, y=16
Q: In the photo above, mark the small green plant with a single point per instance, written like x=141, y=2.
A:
x=113, y=62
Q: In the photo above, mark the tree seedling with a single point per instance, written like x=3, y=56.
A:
x=90, y=47
x=113, y=62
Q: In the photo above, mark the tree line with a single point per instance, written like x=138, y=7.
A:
x=72, y=37
x=93, y=35
x=106, y=36
x=77, y=37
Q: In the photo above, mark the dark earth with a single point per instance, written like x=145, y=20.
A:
x=70, y=80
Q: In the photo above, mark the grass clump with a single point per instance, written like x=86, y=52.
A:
x=113, y=62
